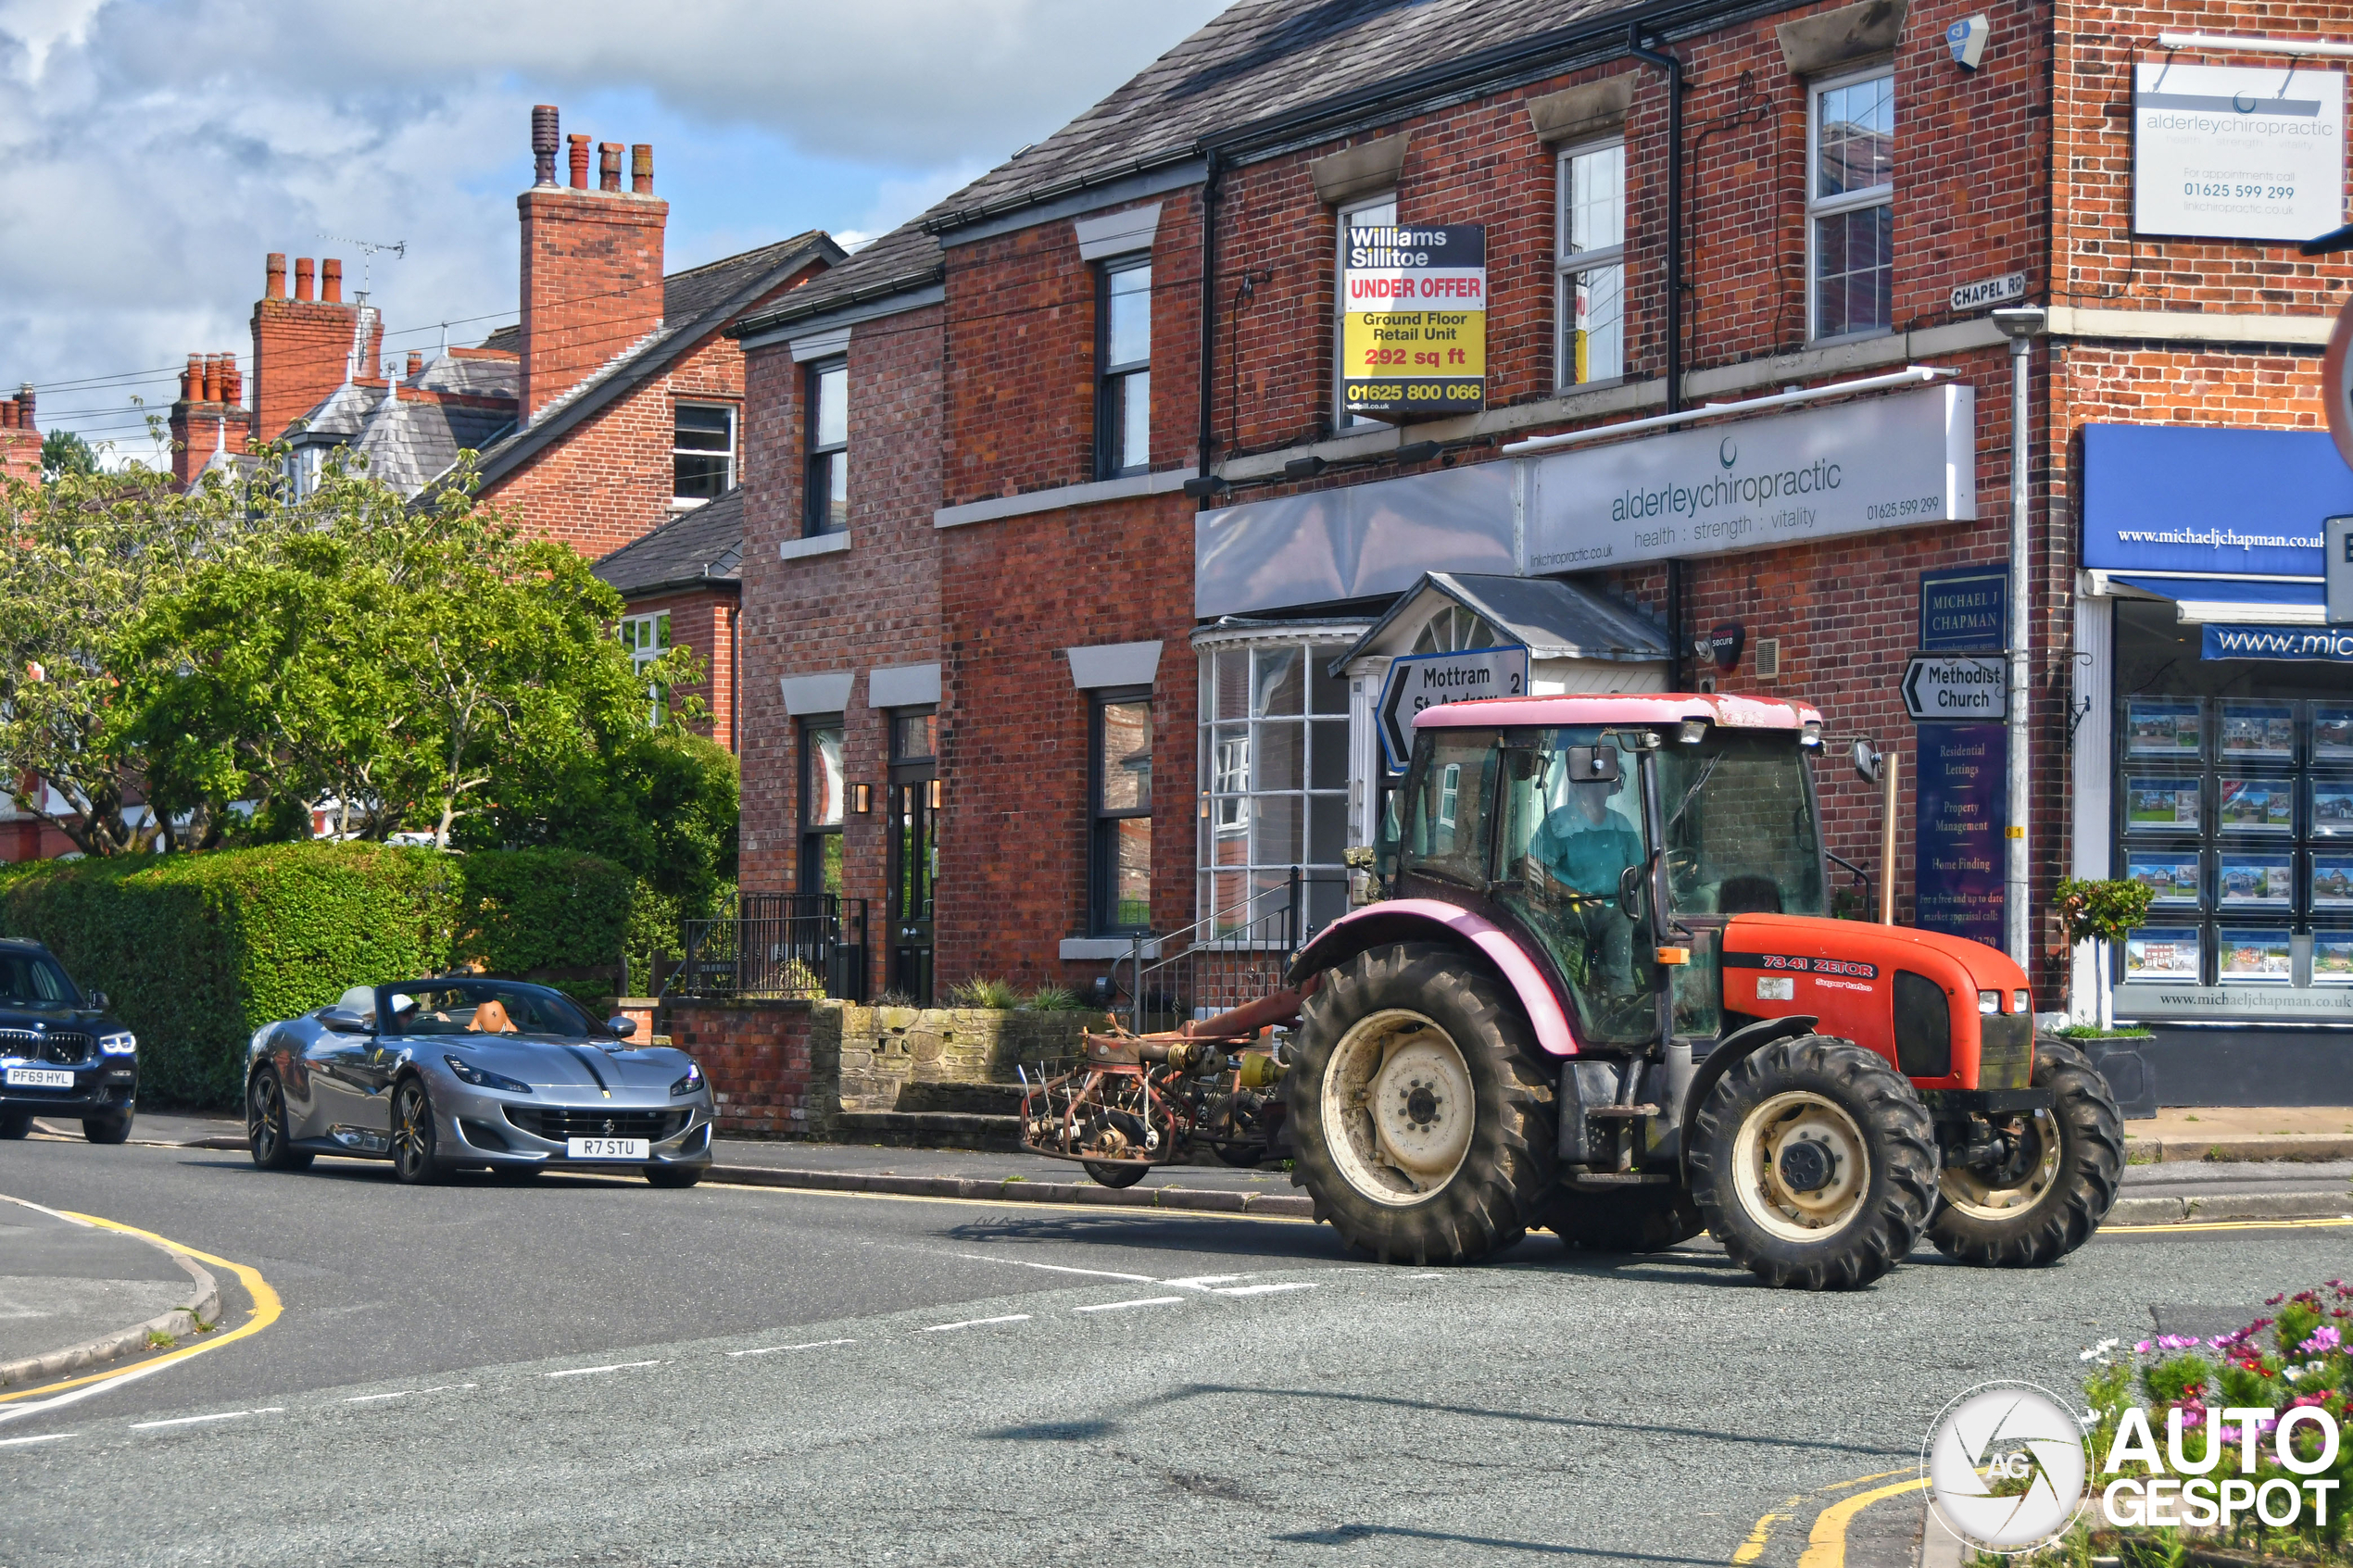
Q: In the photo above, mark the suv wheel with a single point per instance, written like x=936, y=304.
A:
x=15, y=1123
x=1420, y=1110
x=107, y=1129
x=1814, y=1162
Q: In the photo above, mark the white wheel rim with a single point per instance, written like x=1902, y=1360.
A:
x=1398, y=1107
x=1768, y=1198
x=1969, y=1194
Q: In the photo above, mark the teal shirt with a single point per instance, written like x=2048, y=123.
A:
x=1585, y=856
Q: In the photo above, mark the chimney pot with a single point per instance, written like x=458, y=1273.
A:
x=191, y=379
x=641, y=169
x=579, y=160
x=330, y=281
x=208, y=380
x=544, y=142
x=236, y=390
x=609, y=166
x=303, y=267
x=273, y=275
x=8, y=413
x=24, y=404
x=416, y=364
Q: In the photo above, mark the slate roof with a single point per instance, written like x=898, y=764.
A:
x=408, y=443
x=473, y=378
x=1261, y=61
x=694, y=302
x=701, y=548
x=505, y=339
x=906, y=258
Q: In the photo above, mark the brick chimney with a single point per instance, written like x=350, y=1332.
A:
x=302, y=347
x=210, y=416
x=19, y=437
x=591, y=263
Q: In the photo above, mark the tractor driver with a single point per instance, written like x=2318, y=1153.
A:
x=1579, y=851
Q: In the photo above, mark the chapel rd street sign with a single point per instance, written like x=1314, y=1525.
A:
x=1430, y=680
x=1956, y=687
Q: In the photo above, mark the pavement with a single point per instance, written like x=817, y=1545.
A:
x=76, y=1295
x=591, y=1371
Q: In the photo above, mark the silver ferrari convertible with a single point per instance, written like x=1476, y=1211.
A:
x=439, y=1075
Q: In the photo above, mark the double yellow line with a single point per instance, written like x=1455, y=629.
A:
x=1826, y=1543
x=266, y=1308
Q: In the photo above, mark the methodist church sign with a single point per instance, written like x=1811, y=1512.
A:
x=1789, y=479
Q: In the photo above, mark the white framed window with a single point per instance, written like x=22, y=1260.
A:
x=1850, y=205
x=647, y=638
x=1367, y=212
x=702, y=451
x=1591, y=257
x=1274, y=750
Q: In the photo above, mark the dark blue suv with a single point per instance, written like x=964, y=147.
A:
x=61, y=1053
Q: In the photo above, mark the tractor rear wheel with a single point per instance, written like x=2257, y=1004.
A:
x=1646, y=1220
x=2057, y=1185
x=1814, y=1162
x=1420, y=1107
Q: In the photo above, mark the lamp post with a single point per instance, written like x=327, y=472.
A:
x=2022, y=324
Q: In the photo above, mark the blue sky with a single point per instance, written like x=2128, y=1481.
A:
x=157, y=149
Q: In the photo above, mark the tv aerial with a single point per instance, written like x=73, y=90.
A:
x=368, y=249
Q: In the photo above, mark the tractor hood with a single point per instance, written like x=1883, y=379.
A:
x=1947, y=958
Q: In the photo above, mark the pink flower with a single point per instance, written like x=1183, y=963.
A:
x=2142, y=1348
x=2323, y=1340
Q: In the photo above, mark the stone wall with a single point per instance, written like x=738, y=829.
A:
x=791, y=1069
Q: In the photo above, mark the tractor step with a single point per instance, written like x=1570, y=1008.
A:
x=1621, y=1113
x=1596, y=1181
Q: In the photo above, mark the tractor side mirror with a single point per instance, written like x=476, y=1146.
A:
x=1868, y=763
x=1630, y=892
x=1592, y=764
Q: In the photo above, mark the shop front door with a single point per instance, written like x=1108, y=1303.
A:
x=914, y=862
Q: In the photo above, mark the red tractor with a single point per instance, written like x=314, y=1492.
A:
x=1602, y=996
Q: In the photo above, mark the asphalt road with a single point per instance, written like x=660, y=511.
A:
x=830, y=1378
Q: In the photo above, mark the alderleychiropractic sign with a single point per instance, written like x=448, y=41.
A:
x=1847, y=468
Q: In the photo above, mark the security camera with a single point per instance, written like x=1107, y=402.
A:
x=1968, y=38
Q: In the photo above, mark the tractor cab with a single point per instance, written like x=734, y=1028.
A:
x=1617, y=837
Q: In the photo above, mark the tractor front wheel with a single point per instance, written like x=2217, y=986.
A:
x=1420, y=1109
x=2059, y=1184
x=1813, y=1163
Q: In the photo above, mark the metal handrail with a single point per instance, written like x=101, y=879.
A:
x=797, y=944
x=1228, y=958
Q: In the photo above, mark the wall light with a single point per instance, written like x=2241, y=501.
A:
x=939, y=794
x=861, y=798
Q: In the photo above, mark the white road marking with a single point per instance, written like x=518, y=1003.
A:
x=1055, y=1268
x=1121, y=1306
x=586, y=1370
x=975, y=1323
x=193, y=1420
x=1262, y=1289
x=812, y=1345
x=51, y=1437
x=1202, y=1282
x=1426, y=1276
x=404, y=1393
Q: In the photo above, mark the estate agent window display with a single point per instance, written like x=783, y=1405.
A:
x=2235, y=804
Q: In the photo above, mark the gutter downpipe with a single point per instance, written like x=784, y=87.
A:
x=1208, y=297
x=2022, y=324
x=1678, y=646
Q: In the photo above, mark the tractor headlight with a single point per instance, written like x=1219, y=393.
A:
x=690, y=1082
x=1810, y=734
x=1989, y=1001
x=2022, y=1002
x=467, y=1072
x=120, y=1043
x=1694, y=732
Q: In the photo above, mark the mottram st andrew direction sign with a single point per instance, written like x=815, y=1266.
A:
x=1427, y=680
x=1955, y=687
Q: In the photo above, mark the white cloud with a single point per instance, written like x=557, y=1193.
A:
x=156, y=148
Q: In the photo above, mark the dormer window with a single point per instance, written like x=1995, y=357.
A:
x=703, y=452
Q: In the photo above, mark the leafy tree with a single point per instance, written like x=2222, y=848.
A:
x=64, y=452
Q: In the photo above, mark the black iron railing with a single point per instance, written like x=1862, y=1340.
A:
x=783, y=944
x=1231, y=957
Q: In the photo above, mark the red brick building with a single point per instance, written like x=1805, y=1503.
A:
x=1175, y=573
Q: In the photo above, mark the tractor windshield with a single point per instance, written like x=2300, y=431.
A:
x=1571, y=823
x=1740, y=833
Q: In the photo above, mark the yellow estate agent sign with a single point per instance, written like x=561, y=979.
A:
x=1413, y=322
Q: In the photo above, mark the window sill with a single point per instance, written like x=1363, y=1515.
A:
x=1076, y=949
x=1162, y=484
x=688, y=503
x=815, y=545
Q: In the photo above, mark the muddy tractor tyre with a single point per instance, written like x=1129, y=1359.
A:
x=1420, y=1107
x=1814, y=1162
x=1646, y=1220
x=2066, y=1172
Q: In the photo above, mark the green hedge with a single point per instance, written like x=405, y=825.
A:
x=196, y=951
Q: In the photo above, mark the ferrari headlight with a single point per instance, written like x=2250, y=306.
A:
x=120, y=1043
x=690, y=1082
x=467, y=1072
